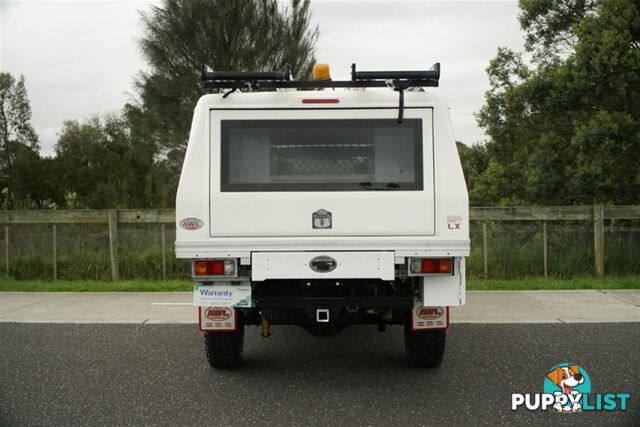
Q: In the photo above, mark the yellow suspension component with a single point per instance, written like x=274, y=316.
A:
x=266, y=326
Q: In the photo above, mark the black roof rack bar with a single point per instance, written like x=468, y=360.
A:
x=432, y=74
x=311, y=84
x=208, y=75
x=254, y=80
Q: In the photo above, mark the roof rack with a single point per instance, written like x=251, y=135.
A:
x=399, y=81
x=255, y=80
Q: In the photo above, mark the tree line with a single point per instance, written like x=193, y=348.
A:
x=562, y=117
x=132, y=158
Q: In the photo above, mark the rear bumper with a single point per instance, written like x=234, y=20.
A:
x=334, y=295
x=326, y=307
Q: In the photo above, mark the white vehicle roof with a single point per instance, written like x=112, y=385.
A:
x=347, y=98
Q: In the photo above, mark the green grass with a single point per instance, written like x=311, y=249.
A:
x=534, y=283
x=551, y=283
x=95, y=286
x=514, y=251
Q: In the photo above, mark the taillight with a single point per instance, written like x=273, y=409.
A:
x=431, y=266
x=320, y=101
x=214, y=267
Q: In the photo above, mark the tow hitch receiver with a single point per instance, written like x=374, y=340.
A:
x=322, y=315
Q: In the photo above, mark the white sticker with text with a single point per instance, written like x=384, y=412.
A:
x=222, y=295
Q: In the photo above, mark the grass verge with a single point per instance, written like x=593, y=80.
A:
x=554, y=283
x=534, y=283
x=95, y=286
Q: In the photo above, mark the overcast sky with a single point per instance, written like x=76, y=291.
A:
x=79, y=57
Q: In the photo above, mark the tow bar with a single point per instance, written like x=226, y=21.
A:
x=322, y=315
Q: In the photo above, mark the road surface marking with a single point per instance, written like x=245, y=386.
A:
x=171, y=303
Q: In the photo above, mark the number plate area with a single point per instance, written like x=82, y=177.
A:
x=322, y=265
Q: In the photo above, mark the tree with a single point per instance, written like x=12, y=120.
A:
x=564, y=128
x=104, y=165
x=181, y=36
x=474, y=160
x=153, y=170
x=549, y=26
x=18, y=139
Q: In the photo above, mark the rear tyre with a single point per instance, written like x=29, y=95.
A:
x=224, y=349
x=425, y=349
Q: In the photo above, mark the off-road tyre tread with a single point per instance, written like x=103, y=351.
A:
x=425, y=349
x=224, y=349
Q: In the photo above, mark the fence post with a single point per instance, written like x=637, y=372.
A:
x=164, y=254
x=55, y=252
x=484, y=249
x=544, y=246
x=113, y=243
x=598, y=239
x=6, y=249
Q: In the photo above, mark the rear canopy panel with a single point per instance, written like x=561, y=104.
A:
x=320, y=170
x=268, y=181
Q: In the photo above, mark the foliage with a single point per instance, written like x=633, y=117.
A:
x=103, y=166
x=565, y=129
x=18, y=142
x=554, y=283
x=563, y=117
x=538, y=283
x=180, y=37
x=514, y=250
x=474, y=161
x=548, y=25
x=7, y=285
x=132, y=158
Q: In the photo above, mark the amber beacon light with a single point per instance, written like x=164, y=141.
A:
x=321, y=72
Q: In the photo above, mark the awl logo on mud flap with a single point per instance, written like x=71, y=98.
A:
x=217, y=314
x=430, y=313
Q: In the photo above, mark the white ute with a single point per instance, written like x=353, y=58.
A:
x=323, y=204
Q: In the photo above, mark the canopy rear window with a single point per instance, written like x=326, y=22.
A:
x=321, y=155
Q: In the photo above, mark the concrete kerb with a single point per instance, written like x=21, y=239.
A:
x=586, y=306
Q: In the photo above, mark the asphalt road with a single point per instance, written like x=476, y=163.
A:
x=157, y=374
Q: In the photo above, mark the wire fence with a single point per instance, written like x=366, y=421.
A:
x=138, y=244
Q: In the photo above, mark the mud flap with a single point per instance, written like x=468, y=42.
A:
x=217, y=319
x=428, y=318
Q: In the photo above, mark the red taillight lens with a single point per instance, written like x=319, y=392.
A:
x=436, y=265
x=320, y=101
x=429, y=266
x=214, y=267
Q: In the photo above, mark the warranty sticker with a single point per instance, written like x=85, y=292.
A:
x=222, y=294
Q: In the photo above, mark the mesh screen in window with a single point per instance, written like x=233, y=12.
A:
x=321, y=155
